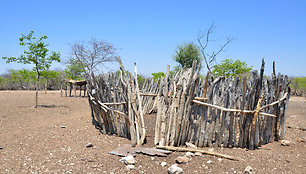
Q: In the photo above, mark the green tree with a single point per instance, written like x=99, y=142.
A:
x=186, y=54
x=158, y=75
x=15, y=77
x=230, y=68
x=36, y=54
x=298, y=84
x=51, y=78
x=74, y=70
x=141, y=80
x=2, y=82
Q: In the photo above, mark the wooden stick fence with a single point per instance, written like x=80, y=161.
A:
x=228, y=112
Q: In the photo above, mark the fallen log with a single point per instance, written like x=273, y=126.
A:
x=182, y=149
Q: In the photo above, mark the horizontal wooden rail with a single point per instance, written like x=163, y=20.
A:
x=274, y=103
x=121, y=103
x=231, y=110
x=106, y=108
x=148, y=94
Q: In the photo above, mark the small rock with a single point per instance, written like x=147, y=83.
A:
x=128, y=160
x=175, y=170
x=182, y=159
x=209, y=162
x=219, y=159
x=189, y=154
x=163, y=163
x=89, y=145
x=248, y=169
x=152, y=158
x=285, y=143
x=198, y=154
x=190, y=145
x=130, y=167
x=62, y=126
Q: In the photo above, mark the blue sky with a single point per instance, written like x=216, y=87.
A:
x=148, y=32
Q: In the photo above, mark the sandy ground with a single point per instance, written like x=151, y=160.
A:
x=52, y=139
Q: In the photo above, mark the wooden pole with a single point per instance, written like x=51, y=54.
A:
x=182, y=149
x=140, y=107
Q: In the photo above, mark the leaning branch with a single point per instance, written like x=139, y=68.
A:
x=182, y=149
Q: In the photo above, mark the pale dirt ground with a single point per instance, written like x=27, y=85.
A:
x=33, y=141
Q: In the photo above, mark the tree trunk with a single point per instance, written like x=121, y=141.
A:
x=46, y=86
x=37, y=88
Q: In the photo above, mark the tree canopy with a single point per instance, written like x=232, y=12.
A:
x=230, y=68
x=93, y=53
x=186, y=54
x=74, y=70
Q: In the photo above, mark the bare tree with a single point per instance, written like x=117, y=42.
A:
x=204, y=40
x=93, y=53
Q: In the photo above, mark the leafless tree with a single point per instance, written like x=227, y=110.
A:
x=93, y=53
x=204, y=40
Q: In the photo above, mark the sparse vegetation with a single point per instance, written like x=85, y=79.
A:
x=230, y=68
x=298, y=85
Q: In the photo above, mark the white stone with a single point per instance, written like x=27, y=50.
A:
x=219, y=159
x=174, y=169
x=248, y=169
x=89, y=145
x=163, y=163
x=127, y=160
x=209, y=162
x=285, y=142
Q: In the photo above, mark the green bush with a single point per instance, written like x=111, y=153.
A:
x=298, y=85
x=230, y=68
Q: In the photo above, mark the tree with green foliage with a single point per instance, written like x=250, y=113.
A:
x=141, y=80
x=51, y=78
x=186, y=54
x=298, y=84
x=2, y=82
x=230, y=68
x=158, y=75
x=74, y=70
x=36, y=54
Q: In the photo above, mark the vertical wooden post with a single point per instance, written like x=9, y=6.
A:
x=66, y=89
x=140, y=107
x=206, y=84
x=74, y=87
x=61, y=88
